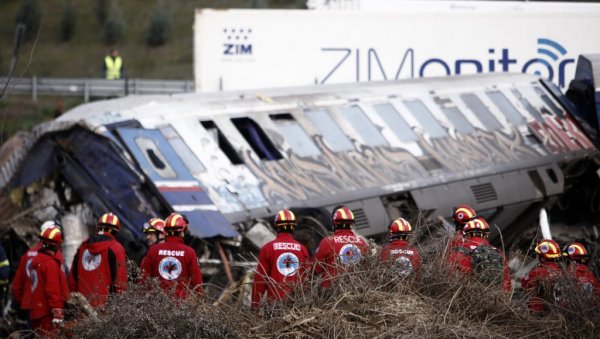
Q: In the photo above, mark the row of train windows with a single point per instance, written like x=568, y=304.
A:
x=336, y=139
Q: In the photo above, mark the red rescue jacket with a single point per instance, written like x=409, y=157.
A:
x=281, y=264
x=48, y=285
x=459, y=258
x=544, y=273
x=342, y=248
x=586, y=278
x=405, y=257
x=21, y=289
x=175, y=265
x=99, y=268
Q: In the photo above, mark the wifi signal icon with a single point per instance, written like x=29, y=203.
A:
x=550, y=48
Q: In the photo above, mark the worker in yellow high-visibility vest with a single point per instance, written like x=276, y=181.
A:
x=113, y=68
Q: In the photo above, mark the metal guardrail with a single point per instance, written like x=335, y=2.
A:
x=90, y=87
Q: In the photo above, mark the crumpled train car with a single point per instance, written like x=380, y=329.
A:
x=507, y=144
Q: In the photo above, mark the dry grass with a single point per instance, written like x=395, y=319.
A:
x=368, y=302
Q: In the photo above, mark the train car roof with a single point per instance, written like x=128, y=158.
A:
x=104, y=112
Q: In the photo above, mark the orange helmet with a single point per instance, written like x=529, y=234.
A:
x=154, y=225
x=548, y=249
x=400, y=226
x=343, y=216
x=51, y=235
x=461, y=214
x=285, y=218
x=109, y=220
x=175, y=222
x=576, y=251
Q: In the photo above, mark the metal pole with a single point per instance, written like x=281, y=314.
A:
x=34, y=88
x=86, y=90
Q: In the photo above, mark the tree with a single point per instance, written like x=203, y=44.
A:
x=101, y=10
x=30, y=14
x=114, y=26
x=160, y=24
x=68, y=22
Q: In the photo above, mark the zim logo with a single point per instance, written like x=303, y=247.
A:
x=170, y=268
x=236, y=41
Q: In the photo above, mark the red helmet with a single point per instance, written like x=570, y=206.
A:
x=476, y=225
x=176, y=222
x=109, y=220
x=484, y=224
x=154, y=225
x=51, y=235
x=400, y=226
x=576, y=251
x=461, y=214
x=343, y=216
x=285, y=218
x=548, y=249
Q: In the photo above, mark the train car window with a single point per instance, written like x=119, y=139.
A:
x=329, y=130
x=159, y=163
x=395, y=121
x=506, y=107
x=363, y=126
x=481, y=111
x=186, y=155
x=223, y=143
x=425, y=118
x=295, y=135
x=528, y=106
x=555, y=109
x=256, y=138
x=457, y=118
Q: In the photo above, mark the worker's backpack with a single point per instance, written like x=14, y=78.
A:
x=487, y=264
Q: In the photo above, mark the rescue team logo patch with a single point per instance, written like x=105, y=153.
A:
x=170, y=268
x=91, y=262
x=34, y=279
x=403, y=266
x=288, y=264
x=350, y=254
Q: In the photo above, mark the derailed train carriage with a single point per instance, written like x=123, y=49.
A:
x=507, y=144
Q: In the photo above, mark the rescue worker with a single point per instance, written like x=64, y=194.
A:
x=478, y=258
x=155, y=231
x=340, y=250
x=541, y=281
x=172, y=262
x=112, y=67
x=578, y=267
x=461, y=215
x=21, y=290
x=281, y=262
x=99, y=266
x=48, y=283
x=406, y=259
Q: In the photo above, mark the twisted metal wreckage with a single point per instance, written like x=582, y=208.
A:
x=506, y=144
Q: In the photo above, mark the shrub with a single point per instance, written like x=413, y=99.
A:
x=160, y=24
x=101, y=10
x=30, y=14
x=68, y=22
x=114, y=26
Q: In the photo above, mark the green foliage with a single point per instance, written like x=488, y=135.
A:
x=159, y=27
x=68, y=22
x=30, y=14
x=114, y=27
x=101, y=10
